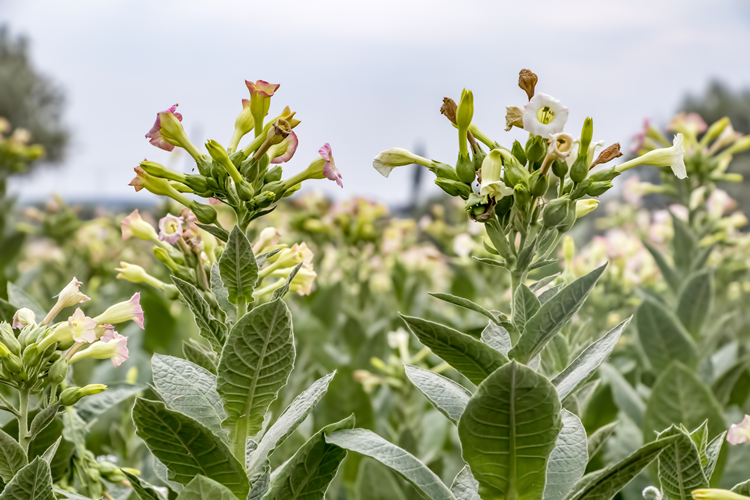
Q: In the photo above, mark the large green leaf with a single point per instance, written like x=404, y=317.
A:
x=597, y=438
x=209, y=327
x=497, y=337
x=525, y=305
x=203, y=488
x=446, y=395
x=238, y=267
x=626, y=397
x=581, y=369
x=12, y=457
x=553, y=315
x=680, y=470
x=190, y=389
x=663, y=337
x=404, y=463
x=464, y=486
x=142, y=489
x=312, y=468
x=667, y=271
x=255, y=364
x=186, y=447
x=222, y=294
x=508, y=431
x=605, y=484
x=91, y=406
x=288, y=421
x=201, y=355
x=465, y=303
x=33, y=482
x=696, y=298
x=568, y=460
x=473, y=358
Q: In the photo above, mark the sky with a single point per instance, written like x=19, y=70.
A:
x=362, y=76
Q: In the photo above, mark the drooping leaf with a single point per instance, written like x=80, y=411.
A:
x=680, y=470
x=33, y=482
x=203, y=488
x=511, y=425
x=312, y=468
x=446, y=395
x=189, y=389
x=255, y=364
x=288, y=421
x=695, y=301
x=209, y=327
x=626, y=397
x=599, y=437
x=464, y=486
x=667, y=271
x=91, y=406
x=465, y=303
x=404, y=463
x=553, y=315
x=21, y=299
x=186, y=447
x=713, y=450
x=471, y=357
x=220, y=233
x=375, y=481
x=663, y=337
x=497, y=337
x=603, y=485
x=525, y=305
x=197, y=354
x=222, y=294
x=568, y=460
x=12, y=457
x=238, y=267
x=581, y=369
x=42, y=420
x=142, y=489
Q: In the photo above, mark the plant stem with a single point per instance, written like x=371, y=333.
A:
x=23, y=419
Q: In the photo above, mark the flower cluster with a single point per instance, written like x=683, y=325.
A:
x=16, y=150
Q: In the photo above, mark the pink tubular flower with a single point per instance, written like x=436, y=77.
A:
x=124, y=311
x=688, y=123
x=82, y=326
x=170, y=228
x=214, y=201
x=155, y=136
x=329, y=169
x=640, y=137
x=262, y=88
x=112, y=346
x=134, y=225
x=188, y=215
x=291, y=143
x=739, y=433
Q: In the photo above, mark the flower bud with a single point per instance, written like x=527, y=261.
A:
x=12, y=363
x=58, y=371
x=242, y=125
x=273, y=175
x=129, y=310
x=560, y=168
x=465, y=168
x=464, y=115
x=70, y=396
x=4, y=351
x=535, y=149
x=716, y=494
x=134, y=225
x=443, y=170
x=158, y=170
x=599, y=188
x=504, y=205
x=587, y=133
x=538, y=184
x=580, y=169
x=521, y=196
x=580, y=190
x=31, y=355
x=220, y=156
x=93, y=389
x=527, y=81
x=584, y=207
x=454, y=188
x=204, y=213
x=198, y=183
x=569, y=222
x=8, y=338
x=556, y=212
x=519, y=153
x=23, y=317
x=264, y=199
x=513, y=172
x=607, y=174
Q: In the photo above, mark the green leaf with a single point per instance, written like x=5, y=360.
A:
x=220, y=233
x=280, y=292
x=489, y=262
x=260, y=482
x=49, y=453
x=91, y=406
x=568, y=460
x=599, y=437
x=33, y=482
x=188, y=388
x=312, y=468
x=663, y=337
x=680, y=470
x=667, y=271
x=203, y=488
x=553, y=315
x=696, y=298
x=713, y=450
x=404, y=463
x=161, y=471
x=238, y=267
x=497, y=337
x=222, y=294
x=464, y=486
x=508, y=431
x=12, y=457
x=543, y=282
x=684, y=244
x=186, y=447
x=209, y=327
x=742, y=488
x=581, y=369
x=465, y=303
x=471, y=357
x=288, y=422
x=7, y=310
x=546, y=295
x=376, y=482
x=605, y=484
x=42, y=420
x=255, y=364
x=525, y=305
x=142, y=489
x=21, y=299
x=626, y=397
x=197, y=354
x=446, y=395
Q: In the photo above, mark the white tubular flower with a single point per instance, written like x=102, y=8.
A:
x=492, y=169
x=560, y=145
x=716, y=494
x=544, y=115
x=268, y=237
x=82, y=327
x=23, y=318
x=129, y=310
x=673, y=157
x=739, y=433
x=69, y=296
x=386, y=161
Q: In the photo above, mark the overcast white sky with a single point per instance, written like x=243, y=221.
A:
x=363, y=76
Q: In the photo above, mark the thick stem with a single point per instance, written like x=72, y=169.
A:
x=23, y=419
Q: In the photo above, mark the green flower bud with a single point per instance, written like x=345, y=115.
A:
x=521, y=195
x=244, y=190
x=443, y=170
x=504, y=205
x=570, y=219
x=93, y=389
x=607, y=174
x=273, y=175
x=9, y=339
x=513, y=172
x=31, y=355
x=580, y=169
x=479, y=156
x=599, y=188
x=580, y=190
x=555, y=212
x=454, y=187
x=264, y=199
x=204, y=213
x=58, y=371
x=586, y=135
x=465, y=169
x=560, y=168
x=197, y=183
x=536, y=149
x=519, y=153
x=292, y=190
x=70, y=396
x=538, y=184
